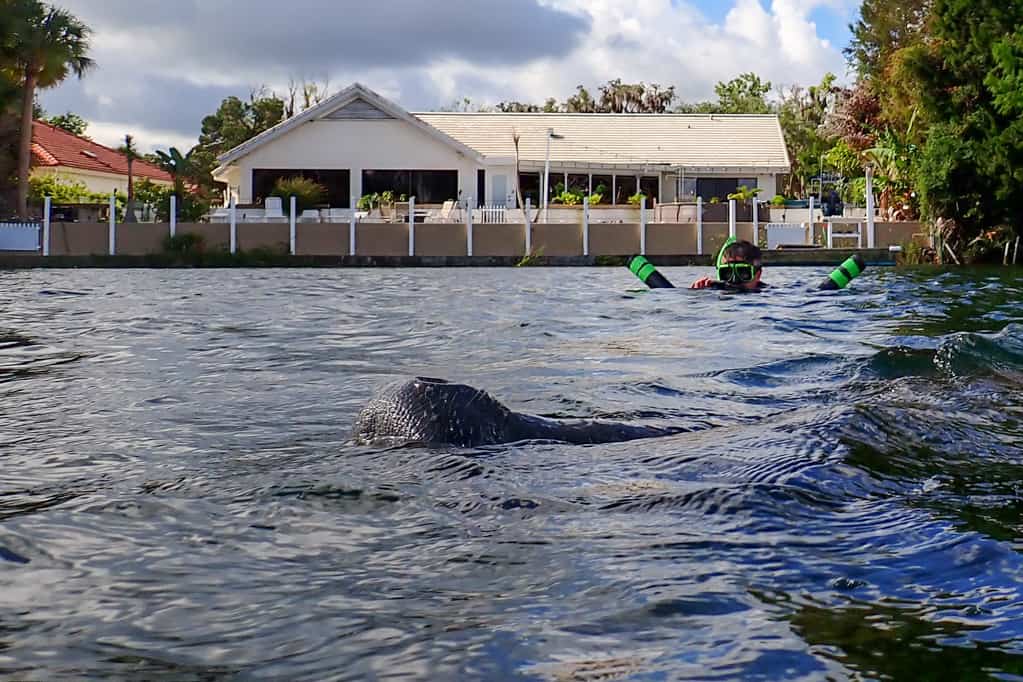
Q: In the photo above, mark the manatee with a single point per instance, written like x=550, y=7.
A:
x=436, y=412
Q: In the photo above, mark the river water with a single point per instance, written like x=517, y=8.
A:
x=180, y=500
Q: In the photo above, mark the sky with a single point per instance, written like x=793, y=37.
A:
x=161, y=65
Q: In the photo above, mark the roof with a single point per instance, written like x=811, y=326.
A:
x=707, y=142
x=324, y=109
x=688, y=142
x=53, y=147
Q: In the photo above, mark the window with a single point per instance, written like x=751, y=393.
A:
x=579, y=182
x=337, y=182
x=650, y=185
x=688, y=189
x=602, y=186
x=625, y=187
x=427, y=186
x=708, y=188
x=529, y=185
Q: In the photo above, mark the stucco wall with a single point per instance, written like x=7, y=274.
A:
x=614, y=239
x=355, y=145
x=507, y=239
x=79, y=239
x=322, y=239
x=139, y=239
x=664, y=239
x=558, y=239
x=101, y=183
x=438, y=239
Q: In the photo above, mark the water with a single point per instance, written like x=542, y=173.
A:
x=179, y=499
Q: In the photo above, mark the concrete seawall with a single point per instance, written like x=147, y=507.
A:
x=794, y=257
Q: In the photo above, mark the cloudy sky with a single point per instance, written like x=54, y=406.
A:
x=164, y=64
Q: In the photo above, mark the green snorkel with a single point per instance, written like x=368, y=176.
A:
x=648, y=274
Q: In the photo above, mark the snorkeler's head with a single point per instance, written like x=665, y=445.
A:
x=740, y=264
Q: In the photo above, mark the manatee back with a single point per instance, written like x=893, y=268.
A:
x=432, y=411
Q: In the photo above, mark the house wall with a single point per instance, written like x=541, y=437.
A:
x=100, y=183
x=355, y=145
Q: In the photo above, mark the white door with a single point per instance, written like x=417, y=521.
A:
x=499, y=190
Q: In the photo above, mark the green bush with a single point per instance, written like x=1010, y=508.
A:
x=308, y=193
x=778, y=200
x=186, y=243
x=636, y=198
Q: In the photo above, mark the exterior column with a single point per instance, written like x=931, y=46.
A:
x=234, y=225
x=586, y=226
x=468, y=228
x=870, y=207
x=732, y=228
x=173, y=214
x=351, y=227
x=529, y=226
x=411, y=225
x=699, y=226
x=291, y=226
x=642, y=226
x=112, y=238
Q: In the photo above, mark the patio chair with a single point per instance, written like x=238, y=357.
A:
x=845, y=230
x=221, y=214
x=337, y=215
x=310, y=215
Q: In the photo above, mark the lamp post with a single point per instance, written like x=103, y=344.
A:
x=547, y=169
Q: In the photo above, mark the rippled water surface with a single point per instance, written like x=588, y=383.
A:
x=180, y=498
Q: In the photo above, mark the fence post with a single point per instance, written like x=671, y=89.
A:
x=173, y=214
x=756, y=221
x=234, y=225
x=113, y=224
x=732, y=228
x=811, y=220
x=699, y=226
x=468, y=226
x=46, y=225
x=870, y=207
x=586, y=226
x=411, y=225
x=351, y=227
x=642, y=226
x=291, y=226
x=529, y=227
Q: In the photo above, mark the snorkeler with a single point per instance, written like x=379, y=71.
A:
x=739, y=267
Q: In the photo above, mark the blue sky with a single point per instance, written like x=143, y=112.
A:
x=832, y=23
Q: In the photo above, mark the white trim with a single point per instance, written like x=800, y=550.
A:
x=329, y=106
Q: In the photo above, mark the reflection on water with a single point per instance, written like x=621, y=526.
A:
x=180, y=499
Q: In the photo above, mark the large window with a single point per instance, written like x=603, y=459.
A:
x=529, y=185
x=650, y=185
x=722, y=187
x=602, y=186
x=337, y=182
x=625, y=187
x=427, y=186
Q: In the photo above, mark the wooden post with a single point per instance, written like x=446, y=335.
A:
x=46, y=225
x=351, y=227
x=468, y=226
x=113, y=224
x=699, y=226
x=586, y=226
x=529, y=226
x=234, y=225
x=642, y=226
x=291, y=226
x=173, y=214
x=411, y=225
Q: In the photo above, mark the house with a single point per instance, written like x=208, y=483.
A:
x=73, y=158
x=357, y=142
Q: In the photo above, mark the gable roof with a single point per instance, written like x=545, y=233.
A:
x=694, y=142
x=53, y=147
x=363, y=102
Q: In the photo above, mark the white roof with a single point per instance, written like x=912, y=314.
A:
x=707, y=142
x=722, y=143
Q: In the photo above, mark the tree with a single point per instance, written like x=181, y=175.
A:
x=884, y=28
x=71, y=122
x=131, y=153
x=235, y=121
x=802, y=113
x=745, y=94
x=48, y=44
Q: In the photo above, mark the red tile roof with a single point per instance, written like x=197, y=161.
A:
x=52, y=146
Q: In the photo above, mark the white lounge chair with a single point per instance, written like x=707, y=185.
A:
x=274, y=213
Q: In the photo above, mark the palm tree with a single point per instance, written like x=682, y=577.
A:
x=48, y=44
x=130, y=153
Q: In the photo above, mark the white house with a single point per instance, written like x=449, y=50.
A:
x=358, y=142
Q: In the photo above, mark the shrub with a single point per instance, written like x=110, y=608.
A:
x=308, y=193
x=186, y=243
x=636, y=198
x=778, y=200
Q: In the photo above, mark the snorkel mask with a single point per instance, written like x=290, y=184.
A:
x=734, y=273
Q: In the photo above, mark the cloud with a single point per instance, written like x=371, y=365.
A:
x=164, y=65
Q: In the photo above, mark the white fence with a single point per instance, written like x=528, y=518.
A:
x=19, y=236
x=491, y=215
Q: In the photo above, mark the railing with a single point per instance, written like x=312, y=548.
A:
x=19, y=236
x=491, y=215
